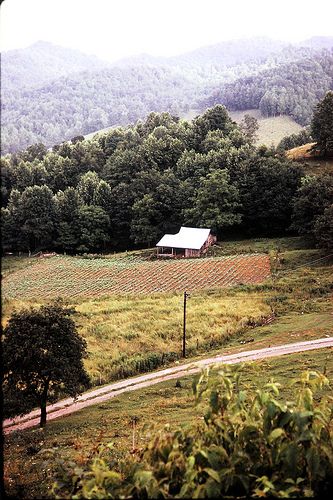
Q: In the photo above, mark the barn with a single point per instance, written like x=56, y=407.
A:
x=188, y=242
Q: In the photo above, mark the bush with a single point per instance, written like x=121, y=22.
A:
x=250, y=443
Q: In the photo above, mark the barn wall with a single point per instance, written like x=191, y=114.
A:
x=189, y=252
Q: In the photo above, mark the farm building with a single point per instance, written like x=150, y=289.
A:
x=188, y=242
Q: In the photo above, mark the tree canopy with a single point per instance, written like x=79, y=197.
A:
x=322, y=125
x=43, y=359
x=130, y=185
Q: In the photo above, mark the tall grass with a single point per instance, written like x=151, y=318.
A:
x=129, y=335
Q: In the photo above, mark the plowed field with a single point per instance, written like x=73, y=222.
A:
x=77, y=277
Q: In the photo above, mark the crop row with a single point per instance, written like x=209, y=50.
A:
x=71, y=277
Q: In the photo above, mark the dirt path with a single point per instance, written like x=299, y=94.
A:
x=68, y=406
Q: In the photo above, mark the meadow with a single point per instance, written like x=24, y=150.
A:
x=132, y=333
x=271, y=129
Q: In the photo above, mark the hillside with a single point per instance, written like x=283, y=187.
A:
x=223, y=54
x=291, y=88
x=271, y=129
x=313, y=164
x=87, y=101
x=127, y=336
x=51, y=94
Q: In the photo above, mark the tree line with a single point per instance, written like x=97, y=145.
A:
x=129, y=186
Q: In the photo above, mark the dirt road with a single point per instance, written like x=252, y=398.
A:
x=67, y=406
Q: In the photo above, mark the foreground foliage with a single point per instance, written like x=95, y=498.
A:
x=250, y=443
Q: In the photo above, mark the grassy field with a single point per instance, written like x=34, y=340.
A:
x=272, y=129
x=77, y=437
x=129, y=334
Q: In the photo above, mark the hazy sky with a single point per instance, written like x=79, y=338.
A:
x=117, y=28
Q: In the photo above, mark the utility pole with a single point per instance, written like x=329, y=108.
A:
x=184, y=324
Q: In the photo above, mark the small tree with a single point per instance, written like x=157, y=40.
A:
x=42, y=354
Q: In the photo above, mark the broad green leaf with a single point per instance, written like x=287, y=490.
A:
x=213, y=473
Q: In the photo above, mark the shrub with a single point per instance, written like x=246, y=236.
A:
x=250, y=443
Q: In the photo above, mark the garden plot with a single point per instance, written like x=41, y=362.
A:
x=70, y=277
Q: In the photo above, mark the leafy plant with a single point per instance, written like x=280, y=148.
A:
x=250, y=443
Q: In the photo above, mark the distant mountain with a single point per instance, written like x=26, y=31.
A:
x=291, y=89
x=51, y=93
x=224, y=54
x=318, y=42
x=88, y=101
x=42, y=62
x=234, y=52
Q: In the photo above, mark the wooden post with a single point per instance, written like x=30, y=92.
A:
x=184, y=324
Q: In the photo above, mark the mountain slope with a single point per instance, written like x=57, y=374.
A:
x=87, y=101
x=42, y=62
x=50, y=94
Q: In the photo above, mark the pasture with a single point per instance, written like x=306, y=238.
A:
x=271, y=129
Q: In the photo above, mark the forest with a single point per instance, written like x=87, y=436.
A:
x=69, y=94
x=290, y=89
x=126, y=187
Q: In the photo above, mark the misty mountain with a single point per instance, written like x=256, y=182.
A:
x=50, y=93
x=88, y=101
x=224, y=54
x=43, y=62
x=318, y=42
x=291, y=89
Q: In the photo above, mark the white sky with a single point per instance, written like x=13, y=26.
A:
x=116, y=28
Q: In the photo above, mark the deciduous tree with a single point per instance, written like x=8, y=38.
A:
x=322, y=125
x=42, y=355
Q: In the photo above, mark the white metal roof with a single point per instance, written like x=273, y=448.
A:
x=187, y=237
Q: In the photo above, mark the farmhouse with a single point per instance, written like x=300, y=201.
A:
x=188, y=242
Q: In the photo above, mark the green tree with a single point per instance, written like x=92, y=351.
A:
x=267, y=187
x=94, y=228
x=250, y=443
x=323, y=229
x=42, y=355
x=310, y=201
x=322, y=125
x=67, y=204
x=35, y=213
x=250, y=126
x=216, y=204
x=215, y=118
x=87, y=187
x=145, y=220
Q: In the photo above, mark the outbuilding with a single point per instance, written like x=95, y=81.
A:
x=188, y=242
